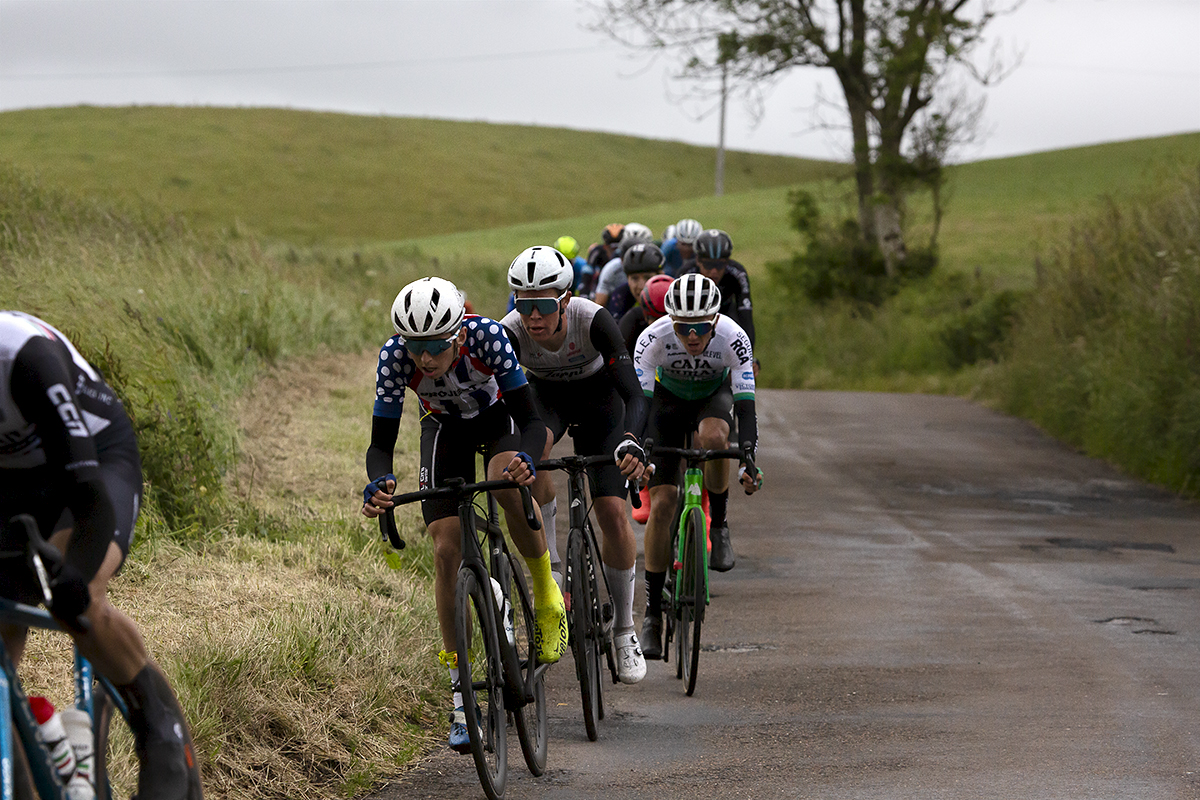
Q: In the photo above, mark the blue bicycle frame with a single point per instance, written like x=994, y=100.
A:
x=15, y=712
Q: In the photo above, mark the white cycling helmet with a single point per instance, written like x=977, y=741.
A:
x=427, y=309
x=540, y=267
x=668, y=232
x=692, y=296
x=636, y=232
x=686, y=230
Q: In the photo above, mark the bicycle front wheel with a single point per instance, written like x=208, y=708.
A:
x=481, y=680
x=583, y=632
x=115, y=768
x=530, y=718
x=693, y=594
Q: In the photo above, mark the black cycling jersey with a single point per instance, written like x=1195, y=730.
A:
x=735, y=293
x=632, y=325
x=66, y=442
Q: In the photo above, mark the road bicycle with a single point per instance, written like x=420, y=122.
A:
x=498, y=671
x=686, y=590
x=590, y=617
x=26, y=768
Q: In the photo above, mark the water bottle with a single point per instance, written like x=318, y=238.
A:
x=54, y=736
x=505, y=611
x=79, y=733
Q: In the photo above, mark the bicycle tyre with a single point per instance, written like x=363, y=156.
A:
x=694, y=595
x=481, y=681
x=583, y=638
x=530, y=719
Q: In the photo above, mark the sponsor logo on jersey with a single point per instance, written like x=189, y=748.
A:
x=746, y=376
x=65, y=403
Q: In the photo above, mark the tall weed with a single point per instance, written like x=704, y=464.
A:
x=1107, y=353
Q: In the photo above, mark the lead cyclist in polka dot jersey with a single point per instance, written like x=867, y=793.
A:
x=474, y=399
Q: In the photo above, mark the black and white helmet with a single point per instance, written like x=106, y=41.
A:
x=641, y=258
x=427, y=309
x=686, y=231
x=714, y=244
x=692, y=296
x=636, y=232
x=540, y=267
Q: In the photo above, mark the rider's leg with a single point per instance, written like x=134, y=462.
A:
x=618, y=551
x=549, y=612
x=116, y=649
x=713, y=434
x=543, y=491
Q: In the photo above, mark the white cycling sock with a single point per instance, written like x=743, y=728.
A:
x=454, y=682
x=549, y=512
x=620, y=585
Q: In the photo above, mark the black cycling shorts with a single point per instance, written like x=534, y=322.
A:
x=38, y=492
x=449, y=446
x=672, y=418
x=592, y=411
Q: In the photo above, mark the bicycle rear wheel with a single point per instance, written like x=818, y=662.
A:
x=481, y=680
x=583, y=634
x=530, y=718
x=693, y=595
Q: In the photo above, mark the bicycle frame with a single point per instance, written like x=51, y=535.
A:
x=15, y=712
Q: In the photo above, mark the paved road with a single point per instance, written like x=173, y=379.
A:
x=931, y=601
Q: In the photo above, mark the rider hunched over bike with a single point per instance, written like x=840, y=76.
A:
x=583, y=382
x=613, y=273
x=640, y=262
x=678, y=249
x=474, y=399
x=696, y=365
x=70, y=459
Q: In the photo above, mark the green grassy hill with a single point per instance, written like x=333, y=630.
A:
x=312, y=177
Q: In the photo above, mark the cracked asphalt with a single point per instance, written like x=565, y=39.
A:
x=931, y=600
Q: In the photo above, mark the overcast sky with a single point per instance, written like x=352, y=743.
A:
x=1092, y=70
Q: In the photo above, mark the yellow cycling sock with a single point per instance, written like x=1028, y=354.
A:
x=543, y=581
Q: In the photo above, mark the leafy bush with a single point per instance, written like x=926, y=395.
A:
x=977, y=332
x=837, y=264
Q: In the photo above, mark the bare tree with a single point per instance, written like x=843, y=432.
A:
x=890, y=57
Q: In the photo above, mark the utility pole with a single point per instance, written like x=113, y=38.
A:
x=720, y=182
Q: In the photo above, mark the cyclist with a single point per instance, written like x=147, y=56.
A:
x=713, y=250
x=583, y=381
x=649, y=308
x=639, y=262
x=600, y=253
x=695, y=364
x=459, y=366
x=69, y=458
x=584, y=274
x=613, y=273
x=678, y=249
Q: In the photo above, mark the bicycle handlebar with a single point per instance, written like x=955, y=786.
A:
x=458, y=489
x=696, y=454
x=569, y=463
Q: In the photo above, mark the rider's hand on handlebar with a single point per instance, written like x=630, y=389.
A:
x=377, y=496
x=521, y=470
x=751, y=481
x=69, y=594
x=630, y=458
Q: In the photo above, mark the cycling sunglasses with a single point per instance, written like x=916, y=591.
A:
x=686, y=329
x=544, y=305
x=432, y=346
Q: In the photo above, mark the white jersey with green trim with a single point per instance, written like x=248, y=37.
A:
x=660, y=356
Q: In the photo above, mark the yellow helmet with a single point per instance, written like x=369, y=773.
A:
x=567, y=246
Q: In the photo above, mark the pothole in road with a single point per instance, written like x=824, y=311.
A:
x=735, y=648
x=1106, y=546
x=1136, y=625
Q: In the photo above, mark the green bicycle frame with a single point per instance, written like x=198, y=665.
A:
x=693, y=489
